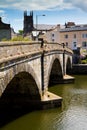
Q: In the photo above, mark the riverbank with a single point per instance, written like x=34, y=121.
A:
x=79, y=69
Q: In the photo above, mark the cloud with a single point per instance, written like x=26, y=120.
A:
x=81, y=4
x=44, y=4
x=37, y=4
x=3, y=14
x=2, y=11
x=32, y=4
x=78, y=4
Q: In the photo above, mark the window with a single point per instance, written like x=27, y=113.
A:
x=74, y=35
x=52, y=40
x=74, y=44
x=84, y=35
x=84, y=44
x=66, y=36
x=53, y=35
x=66, y=44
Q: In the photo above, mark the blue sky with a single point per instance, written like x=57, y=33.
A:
x=56, y=11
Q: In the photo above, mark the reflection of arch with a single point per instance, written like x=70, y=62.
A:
x=68, y=66
x=55, y=72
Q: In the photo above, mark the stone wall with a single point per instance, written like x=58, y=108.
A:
x=5, y=34
x=79, y=69
x=12, y=50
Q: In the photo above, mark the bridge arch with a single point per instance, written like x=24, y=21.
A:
x=68, y=65
x=21, y=85
x=55, y=71
x=24, y=67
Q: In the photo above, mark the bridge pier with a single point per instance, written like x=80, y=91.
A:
x=66, y=78
x=50, y=100
x=2, y=85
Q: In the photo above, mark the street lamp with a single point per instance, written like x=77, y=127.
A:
x=37, y=24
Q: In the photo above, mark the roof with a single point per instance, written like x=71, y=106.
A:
x=75, y=28
x=4, y=25
x=44, y=27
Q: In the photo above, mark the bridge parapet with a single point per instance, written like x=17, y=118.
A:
x=12, y=50
x=56, y=46
x=53, y=46
x=16, y=49
x=68, y=50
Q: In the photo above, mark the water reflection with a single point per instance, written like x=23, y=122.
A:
x=71, y=116
x=74, y=118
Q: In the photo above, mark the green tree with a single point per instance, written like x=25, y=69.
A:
x=20, y=32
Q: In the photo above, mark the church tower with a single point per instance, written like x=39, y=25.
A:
x=28, y=22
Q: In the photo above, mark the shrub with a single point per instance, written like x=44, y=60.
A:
x=17, y=38
x=4, y=39
x=20, y=38
x=84, y=61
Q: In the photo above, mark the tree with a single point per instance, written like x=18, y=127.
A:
x=20, y=32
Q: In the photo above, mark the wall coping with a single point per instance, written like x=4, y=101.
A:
x=11, y=43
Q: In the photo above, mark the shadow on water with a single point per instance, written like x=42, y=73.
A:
x=21, y=96
x=9, y=113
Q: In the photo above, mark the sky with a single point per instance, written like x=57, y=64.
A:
x=55, y=11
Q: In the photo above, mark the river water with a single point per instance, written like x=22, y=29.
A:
x=72, y=115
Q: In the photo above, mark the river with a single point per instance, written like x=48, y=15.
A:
x=72, y=115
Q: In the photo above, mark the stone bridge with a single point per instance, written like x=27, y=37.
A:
x=27, y=69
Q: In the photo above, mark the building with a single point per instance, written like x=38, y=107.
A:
x=53, y=35
x=28, y=23
x=43, y=30
x=5, y=30
x=75, y=37
x=34, y=30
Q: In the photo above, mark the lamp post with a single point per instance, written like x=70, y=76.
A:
x=37, y=24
